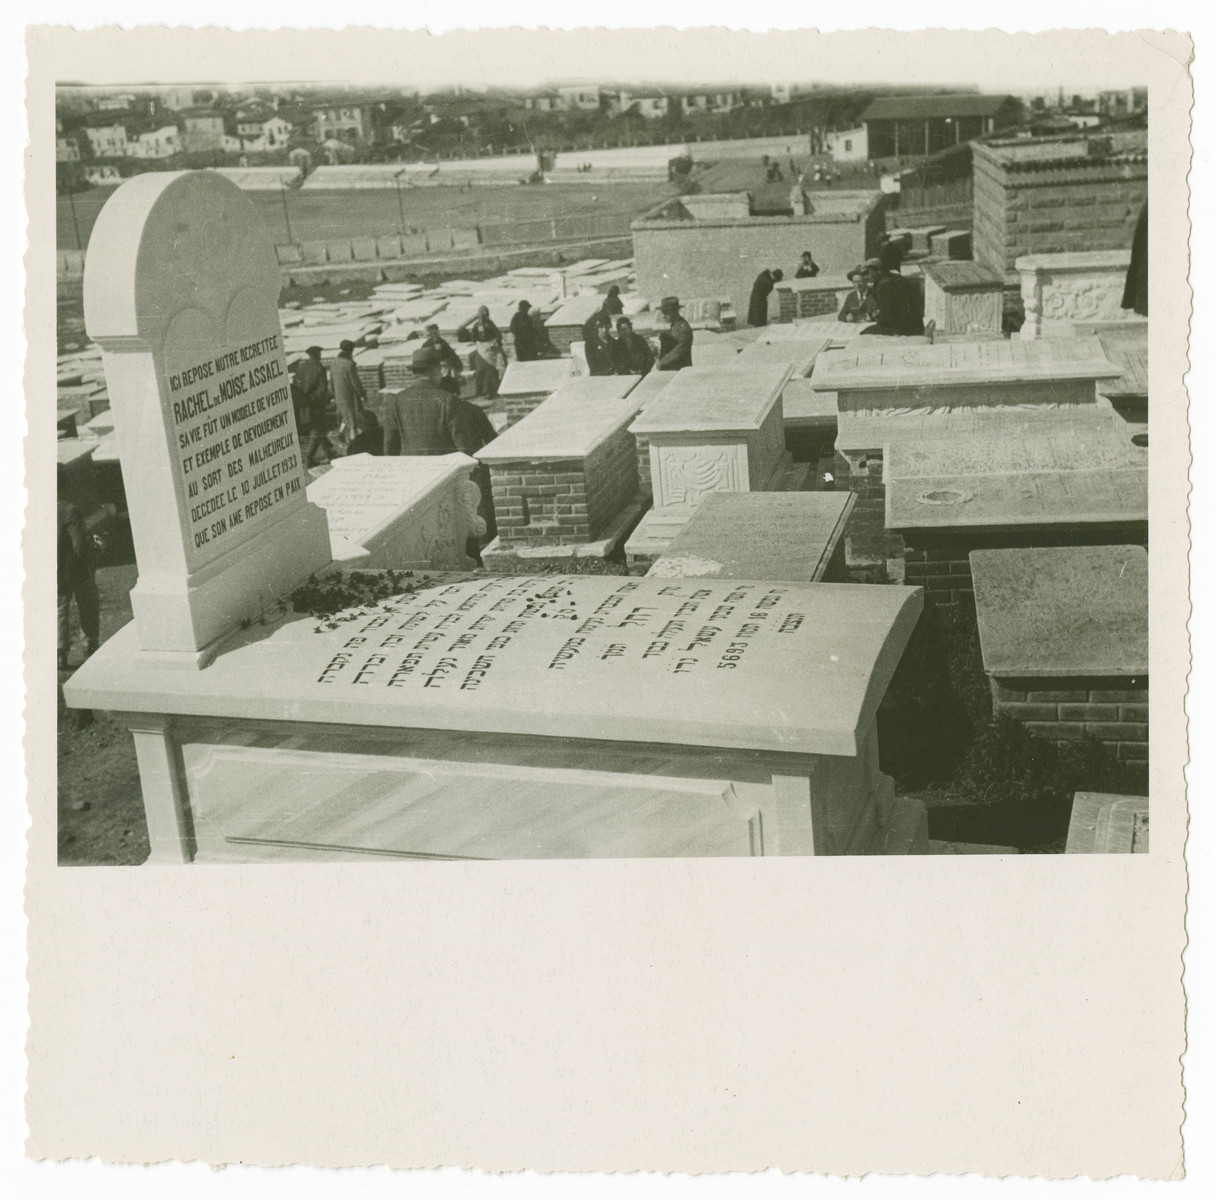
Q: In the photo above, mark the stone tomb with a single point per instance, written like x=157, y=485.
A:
x=181, y=292
x=1058, y=289
x=709, y=431
x=1128, y=394
x=525, y=384
x=1032, y=483
x=813, y=297
x=1103, y=823
x=892, y=393
x=798, y=354
x=1064, y=637
x=527, y=717
x=789, y=536
x=412, y=513
x=564, y=479
x=963, y=297
x=647, y=388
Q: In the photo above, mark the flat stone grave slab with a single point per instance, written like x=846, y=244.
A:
x=798, y=353
x=525, y=384
x=1033, y=478
x=535, y=716
x=1106, y=823
x=400, y=512
x=1128, y=394
x=794, y=536
x=1048, y=612
x=804, y=406
x=962, y=297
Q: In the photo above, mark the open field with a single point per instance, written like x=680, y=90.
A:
x=321, y=215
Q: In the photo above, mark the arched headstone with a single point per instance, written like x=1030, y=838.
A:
x=181, y=292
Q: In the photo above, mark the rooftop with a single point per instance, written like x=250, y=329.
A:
x=961, y=105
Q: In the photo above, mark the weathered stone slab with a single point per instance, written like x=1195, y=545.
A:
x=793, y=536
x=539, y=697
x=1058, y=289
x=526, y=384
x=1103, y=823
x=798, y=354
x=1052, y=612
x=400, y=512
x=804, y=406
x=181, y=293
x=963, y=297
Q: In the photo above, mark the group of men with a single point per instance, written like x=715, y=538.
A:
x=613, y=347
x=882, y=297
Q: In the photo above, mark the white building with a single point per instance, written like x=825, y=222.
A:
x=847, y=145
x=108, y=141
x=272, y=133
x=160, y=143
x=580, y=95
x=649, y=104
x=66, y=150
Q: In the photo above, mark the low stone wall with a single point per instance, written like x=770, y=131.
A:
x=817, y=297
x=1112, y=710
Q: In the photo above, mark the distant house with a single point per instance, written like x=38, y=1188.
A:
x=783, y=93
x=342, y=123
x=67, y=149
x=544, y=101
x=847, y=145
x=262, y=131
x=1123, y=103
x=648, y=104
x=177, y=98
x=118, y=102
x=203, y=130
x=714, y=100
x=107, y=141
x=898, y=126
x=583, y=96
x=156, y=143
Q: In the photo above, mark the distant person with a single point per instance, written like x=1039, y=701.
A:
x=613, y=304
x=675, y=344
x=631, y=355
x=899, y=302
x=861, y=304
x=310, y=400
x=596, y=344
x=808, y=268
x=488, y=360
x=76, y=581
x=524, y=333
x=1135, y=288
x=349, y=396
x=544, y=344
x=757, y=309
x=453, y=368
x=371, y=437
x=426, y=420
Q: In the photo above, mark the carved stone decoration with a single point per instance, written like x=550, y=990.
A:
x=689, y=473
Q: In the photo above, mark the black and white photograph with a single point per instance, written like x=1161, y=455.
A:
x=533, y=456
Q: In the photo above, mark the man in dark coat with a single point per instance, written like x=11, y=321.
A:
x=808, y=268
x=524, y=333
x=76, y=581
x=860, y=304
x=757, y=309
x=449, y=379
x=675, y=345
x=1135, y=286
x=900, y=306
x=310, y=399
x=613, y=304
x=630, y=353
x=596, y=339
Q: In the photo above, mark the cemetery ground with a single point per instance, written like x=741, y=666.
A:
x=369, y=212
x=984, y=783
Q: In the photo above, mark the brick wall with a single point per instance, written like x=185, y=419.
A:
x=1112, y=710
x=645, y=485
x=518, y=407
x=949, y=216
x=867, y=541
x=937, y=560
x=800, y=303
x=558, y=503
x=1084, y=205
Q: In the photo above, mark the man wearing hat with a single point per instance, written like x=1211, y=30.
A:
x=757, y=307
x=675, y=345
x=349, y=395
x=426, y=420
x=452, y=366
x=860, y=304
x=524, y=333
x=309, y=398
x=900, y=304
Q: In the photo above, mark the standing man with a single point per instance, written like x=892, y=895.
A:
x=630, y=353
x=675, y=345
x=310, y=399
x=757, y=308
x=613, y=304
x=524, y=334
x=426, y=420
x=349, y=396
x=449, y=378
